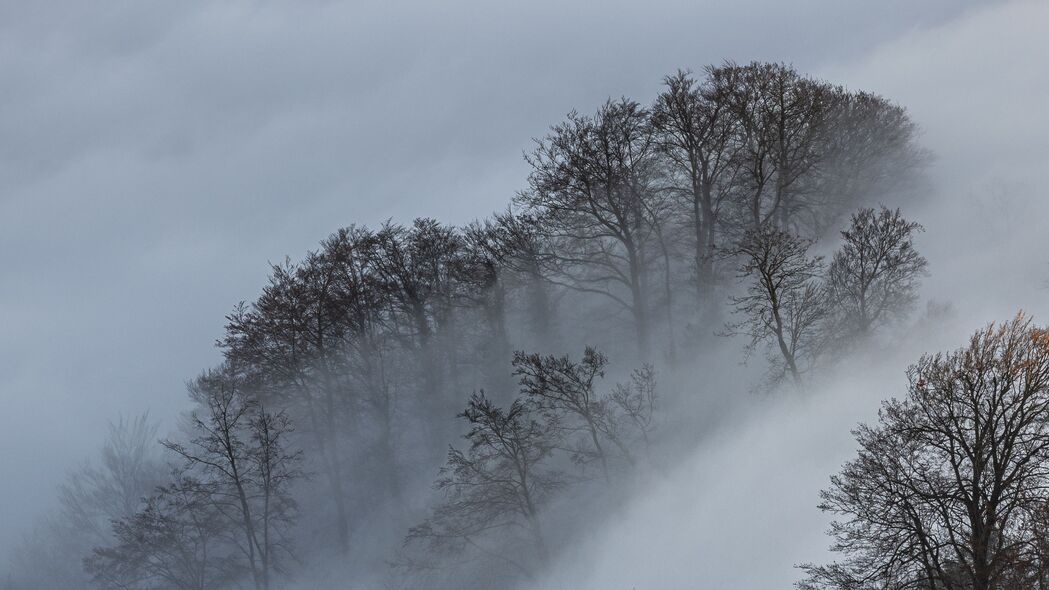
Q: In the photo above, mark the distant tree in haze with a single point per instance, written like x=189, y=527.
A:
x=567, y=391
x=695, y=132
x=950, y=487
x=870, y=154
x=240, y=455
x=493, y=491
x=874, y=277
x=178, y=541
x=128, y=469
x=782, y=121
x=593, y=190
x=784, y=303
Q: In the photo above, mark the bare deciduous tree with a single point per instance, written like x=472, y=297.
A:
x=593, y=193
x=241, y=453
x=873, y=278
x=784, y=302
x=870, y=153
x=177, y=541
x=495, y=488
x=782, y=119
x=129, y=470
x=638, y=400
x=90, y=499
x=950, y=484
x=566, y=391
x=522, y=250
x=696, y=132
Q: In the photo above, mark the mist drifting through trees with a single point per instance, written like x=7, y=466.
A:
x=418, y=404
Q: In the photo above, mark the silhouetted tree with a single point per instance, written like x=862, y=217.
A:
x=522, y=249
x=949, y=484
x=566, y=391
x=873, y=278
x=592, y=188
x=494, y=489
x=696, y=132
x=783, y=128
x=178, y=541
x=784, y=302
x=245, y=467
x=638, y=401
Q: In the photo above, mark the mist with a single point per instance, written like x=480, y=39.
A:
x=147, y=187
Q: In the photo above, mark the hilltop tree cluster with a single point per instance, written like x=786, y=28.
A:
x=322, y=429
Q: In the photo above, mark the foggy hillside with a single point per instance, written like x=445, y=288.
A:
x=392, y=297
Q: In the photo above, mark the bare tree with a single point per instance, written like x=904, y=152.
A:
x=485, y=285
x=522, y=250
x=178, y=541
x=129, y=470
x=784, y=302
x=416, y=269
x=874, y=277
x=288, y=345
x=782, y=121
x=870, y=154
x=566, y=391
x=495, y=488
x=638, y=401
x=592, y=190
x=696, y=132
x=111, y=488
x=241, y=454
x=949, y=484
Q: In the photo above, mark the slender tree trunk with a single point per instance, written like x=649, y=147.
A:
x=540, y=311
x=708, y=238
x=698, y=225
x=334, y=479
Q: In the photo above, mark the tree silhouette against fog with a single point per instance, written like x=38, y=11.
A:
x=567, y=392
x=179, y=540
x=874, y=277
x=592, y=188
x=629, y=220
x=497, y=485
x=950, y=487
x=783, y=129
x=784, y=303
x=241, y=456
x=695, y=130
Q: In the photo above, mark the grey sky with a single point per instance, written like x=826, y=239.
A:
x=155, y=155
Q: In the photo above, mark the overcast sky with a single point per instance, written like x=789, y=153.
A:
x=155, y=155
